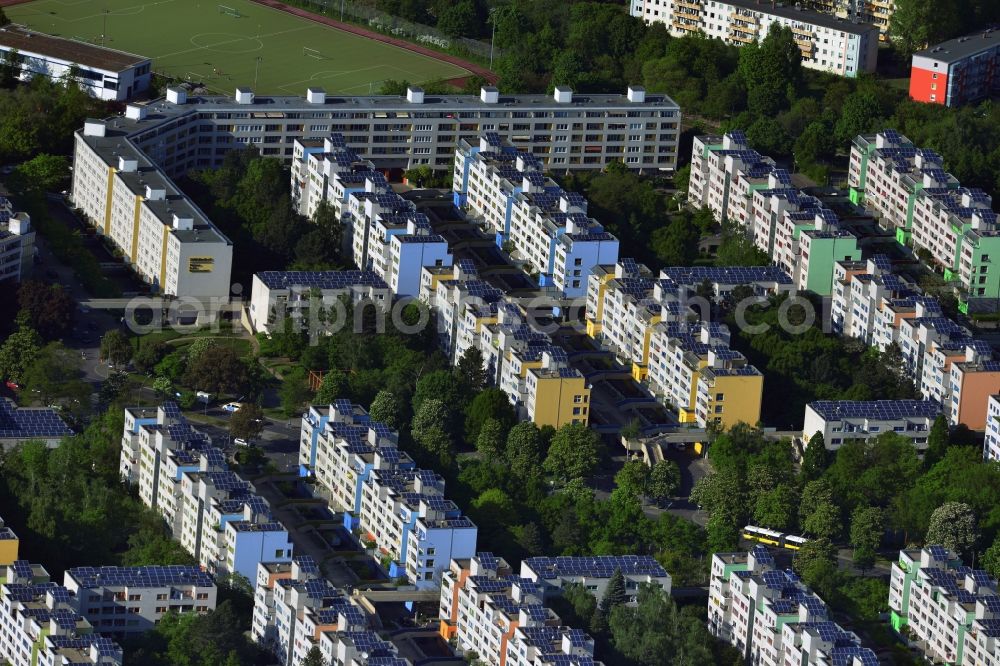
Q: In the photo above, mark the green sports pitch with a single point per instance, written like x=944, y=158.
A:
x=233, y=44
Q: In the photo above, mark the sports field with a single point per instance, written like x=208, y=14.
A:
x=229, y=45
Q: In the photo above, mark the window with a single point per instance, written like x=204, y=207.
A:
x=279, y=552
x=719, y=397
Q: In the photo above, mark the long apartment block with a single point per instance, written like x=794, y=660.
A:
x=948, y=611
x=400, y=508
x=947, y=365
x=801, y=235
x=216, y=516
x=546, y=228
x=772, y=618
x=991, y=443
x=929, y=209
x=959, y=71
x=17, y=243
x=661, y=330
x=502, y=618
x=834, y=44
x=296, y=609
x=839, y=421
x=129, y=600
x=519, y=357
x=594, y=572
x=39, y=625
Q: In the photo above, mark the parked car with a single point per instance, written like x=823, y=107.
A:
x=239, y=441
x=232, y=407
x=13, y=386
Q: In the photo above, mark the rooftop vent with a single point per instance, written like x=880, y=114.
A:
x=563, y=94
x=177, y=96
x=415, y=95
x=636, y=94
x=244, y=96
x=94, y=128
x=489, y=95
x=135, y=111
x=316, y=96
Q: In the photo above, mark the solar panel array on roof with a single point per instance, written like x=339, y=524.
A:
x=596, y=566
x=321, y=279
x=26, y=423
x=148, y=576
x=876, y=409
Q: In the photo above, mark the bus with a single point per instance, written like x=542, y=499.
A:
x=773, y=537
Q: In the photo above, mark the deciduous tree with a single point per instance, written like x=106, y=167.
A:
x=573, y=453
x=953, y=525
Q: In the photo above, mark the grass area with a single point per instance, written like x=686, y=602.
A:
x=196, y=40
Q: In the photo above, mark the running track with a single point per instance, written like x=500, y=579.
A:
x=356, y=30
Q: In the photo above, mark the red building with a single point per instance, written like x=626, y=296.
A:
x=959, y=71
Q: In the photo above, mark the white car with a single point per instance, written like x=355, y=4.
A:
x=232, y=407
x=239, y=441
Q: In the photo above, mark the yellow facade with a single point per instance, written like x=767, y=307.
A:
x=8, y=551
x=594, y=325
x=741, y=397
x=561, y=400
x=639, y=371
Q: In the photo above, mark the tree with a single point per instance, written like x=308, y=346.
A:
x=294, y=391
x=490, y=442
x=573, y=453
x=953, y=525
x=42, y=173
x=815, y=458
x=861, y=113
x=815, y=144
x=491, y=403
x=776, y=508
x=439, y=385
x=460, y=19
x=314, y=657
x=149, y=353
x=247, y=422
x=428, y=431
x=915, y=24
x=217, y=370
x=633, y=477
x=199, y=347
x=937, y=441
x=333, y=386
x=18, y=352
x=163, y=386
x=49, y=308
x=664, y=481
x=115, y=347
x=529, y=538
x=385, y=407
x=866, y=534
x=523, y=451
x=470, y=371
x=615, y=593
x=814, y=559
x=56, y=373
x=3, y=18
x=723, y=495
x=655, y=633
x=991, y=559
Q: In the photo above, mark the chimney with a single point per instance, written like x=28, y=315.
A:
x=94, y=128
x=563, y=94
x=489, y=95
x=127, y=165
x=182, y=223
x=316, y=96
x=244, y=96
x=155, y=193
x=636, y=94
x=135, y=112
x=177, y=96
x=415, y=95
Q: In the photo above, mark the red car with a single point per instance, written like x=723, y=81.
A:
x=13, y=386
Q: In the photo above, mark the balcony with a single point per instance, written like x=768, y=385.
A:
x=744, y=18
x=688, y=4
x=741, y=37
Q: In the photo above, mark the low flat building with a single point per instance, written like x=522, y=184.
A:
x=936, y=601
x=594, y=572
x=839, y=421
x=21, y=424
x=107, y=74
x=959, y=71
x=40, y=627
x=142, y=594
x=276, y=295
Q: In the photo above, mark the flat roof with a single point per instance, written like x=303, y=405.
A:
x=875, y=409
x=70, y=50
x=804, y=15
x=961, y=47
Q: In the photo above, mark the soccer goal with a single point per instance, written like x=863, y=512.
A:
x=312, y=53
x=230, y=11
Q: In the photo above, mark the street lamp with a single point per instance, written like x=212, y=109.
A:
x=256, y=72
x=493, y=21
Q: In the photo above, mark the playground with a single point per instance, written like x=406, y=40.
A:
x=238, y=43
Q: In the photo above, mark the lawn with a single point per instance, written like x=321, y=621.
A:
x=198, y=41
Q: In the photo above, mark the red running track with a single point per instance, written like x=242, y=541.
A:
x=472, y=67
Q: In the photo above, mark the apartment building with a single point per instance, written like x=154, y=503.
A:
x=107, y=74
x=276, y=295
x=837, y=44
x=501, y=617
x=991, y=444
x=327, y=169
x=9, y=545
x=40, y=627
x=21, y=424
x=546, y=229
x=215, y=515
x=956, y=72
x=940, y=605
x=400, y=509
x=182, y=132
x=839, y=421
x=128, y=600
x=295, y=607
x=17, y=243
x=462, y=303
x=162, y=235
x=772, y=617
x=594, y=572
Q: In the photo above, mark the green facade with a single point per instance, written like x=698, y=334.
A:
x=823, y=254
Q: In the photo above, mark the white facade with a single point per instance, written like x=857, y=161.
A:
x=162, y=234
x=279, y=294
x=17, y=243
x=146, y=594
x=991, y=444
x=826, y=43
x=547, y=228
x=501, y=617
x=213, y=513
x=594, y=572
x=938, y=603
x=107, y=74
x=772, y=618
x=839, y=421
x=40, y=627
x=400, y=509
